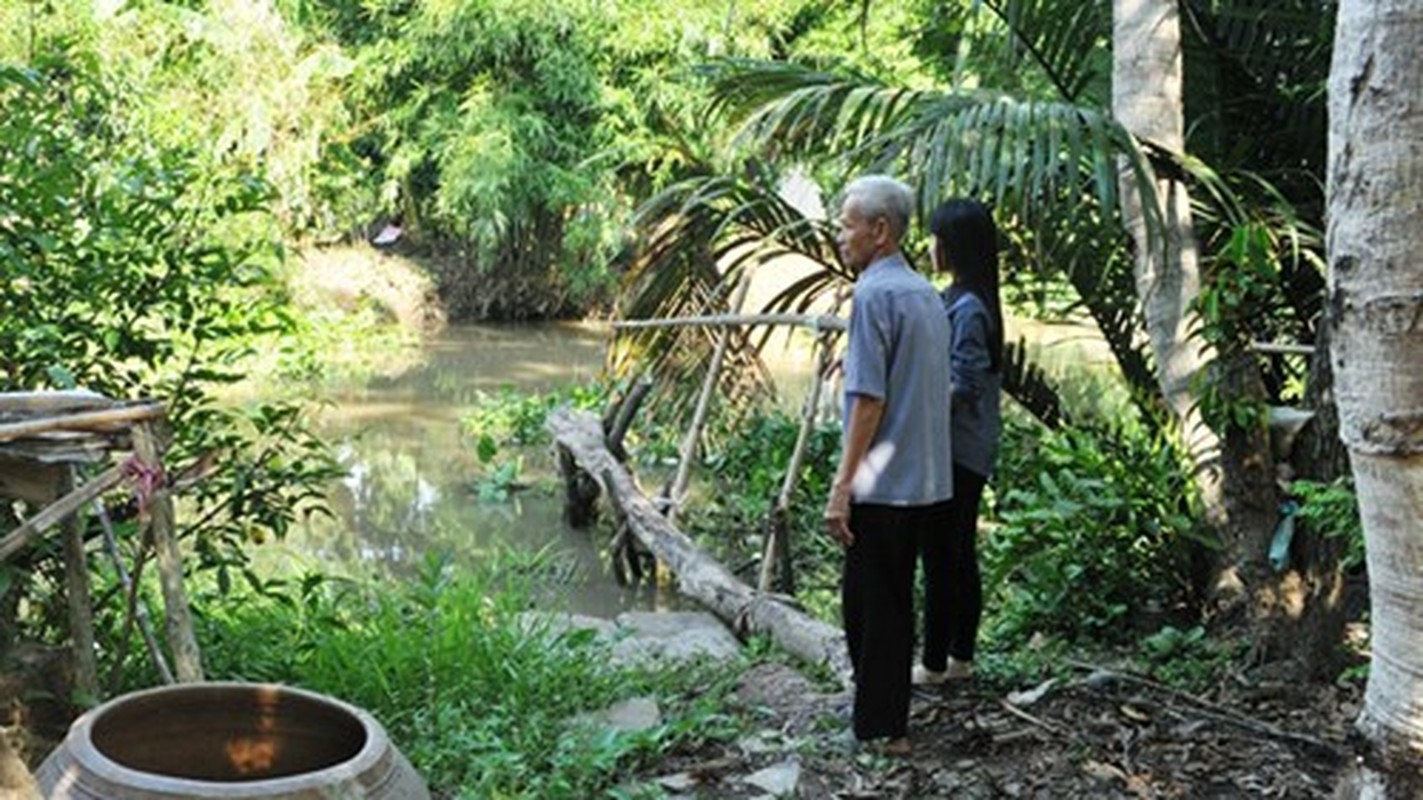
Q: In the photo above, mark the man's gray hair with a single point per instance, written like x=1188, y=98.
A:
x=880, y=196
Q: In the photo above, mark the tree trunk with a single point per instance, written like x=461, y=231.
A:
x=1375, y=246
x=1146, y=100
x=1235, y=476
x=1319, y=587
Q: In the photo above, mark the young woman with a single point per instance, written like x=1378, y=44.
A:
x=965, y=244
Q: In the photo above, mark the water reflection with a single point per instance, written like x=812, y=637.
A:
x=410, y=486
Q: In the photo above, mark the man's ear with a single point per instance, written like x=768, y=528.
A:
x=884, y=232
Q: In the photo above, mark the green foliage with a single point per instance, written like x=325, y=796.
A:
x=271, y=470
x=1232, y=310
x=482, y=700
x=482, y=115
x=1092, y=530
x=497, y=485
x=227, y=81
x=517, y=418
x=742, y=474
x=1332, y=509
x=754, y=453
x=1188, y=658
x=141, y=271
x=127, y=270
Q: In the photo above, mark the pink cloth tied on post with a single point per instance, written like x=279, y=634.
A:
x=147, y=478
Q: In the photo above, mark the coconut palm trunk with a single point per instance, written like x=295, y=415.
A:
x=1234, y=473
x=1375, y=246
x=1147, y=83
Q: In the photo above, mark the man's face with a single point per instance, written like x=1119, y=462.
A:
x=860, y=237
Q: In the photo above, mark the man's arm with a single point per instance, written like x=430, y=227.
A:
x=864, y=417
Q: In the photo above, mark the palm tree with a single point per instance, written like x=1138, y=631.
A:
x=1375, y=282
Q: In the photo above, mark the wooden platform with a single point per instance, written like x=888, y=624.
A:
x=60, y=452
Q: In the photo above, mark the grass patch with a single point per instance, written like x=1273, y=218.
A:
x=481, y=700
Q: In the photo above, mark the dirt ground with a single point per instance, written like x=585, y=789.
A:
x=1099, y=735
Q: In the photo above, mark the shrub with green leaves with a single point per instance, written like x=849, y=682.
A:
x=135, y=271
x=1092, y=529
x=1332, y=509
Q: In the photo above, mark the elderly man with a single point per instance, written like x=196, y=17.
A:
x=895, y=473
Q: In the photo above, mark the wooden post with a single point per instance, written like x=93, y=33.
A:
x=181, y=638
x=81, y=609
x=678, y=487
x=580, y=492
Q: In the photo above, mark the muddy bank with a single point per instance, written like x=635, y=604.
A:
x=350, y=278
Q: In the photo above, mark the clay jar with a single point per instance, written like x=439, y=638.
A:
x=228, y=740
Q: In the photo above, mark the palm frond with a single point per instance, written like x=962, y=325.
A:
x=702, y=237
x=1256, y=78
x=1065, y=39
x=1013, y=151
x=797, y=112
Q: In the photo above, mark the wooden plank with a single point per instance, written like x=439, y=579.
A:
x=108, y=419
x=21, y=537
x=22, y=479
x=699, y=575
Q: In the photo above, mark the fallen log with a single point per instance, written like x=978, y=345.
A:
x=700, y=577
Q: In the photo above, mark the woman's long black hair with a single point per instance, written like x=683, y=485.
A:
x=968, y=248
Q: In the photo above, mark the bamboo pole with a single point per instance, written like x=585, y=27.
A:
x=1274, y=348
x=52, y=402
x=688, y=450
x=181, y=639
x=20, y=538
x=77, y=598
x=89, y=420
x=776, y=556
x=138, y=609
x=819, y=322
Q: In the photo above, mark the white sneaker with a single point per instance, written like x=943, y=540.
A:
x=953, y=671
x=923, y=676
x=958, y=670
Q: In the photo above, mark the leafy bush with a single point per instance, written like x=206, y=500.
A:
x=740, y=480
x=135, y=271
x=1092, y=530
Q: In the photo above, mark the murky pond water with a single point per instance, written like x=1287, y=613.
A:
x=411, y=488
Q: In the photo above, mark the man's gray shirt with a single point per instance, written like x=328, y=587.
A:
x=898, y=337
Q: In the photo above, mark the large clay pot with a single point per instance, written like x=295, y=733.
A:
x=228, y=740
